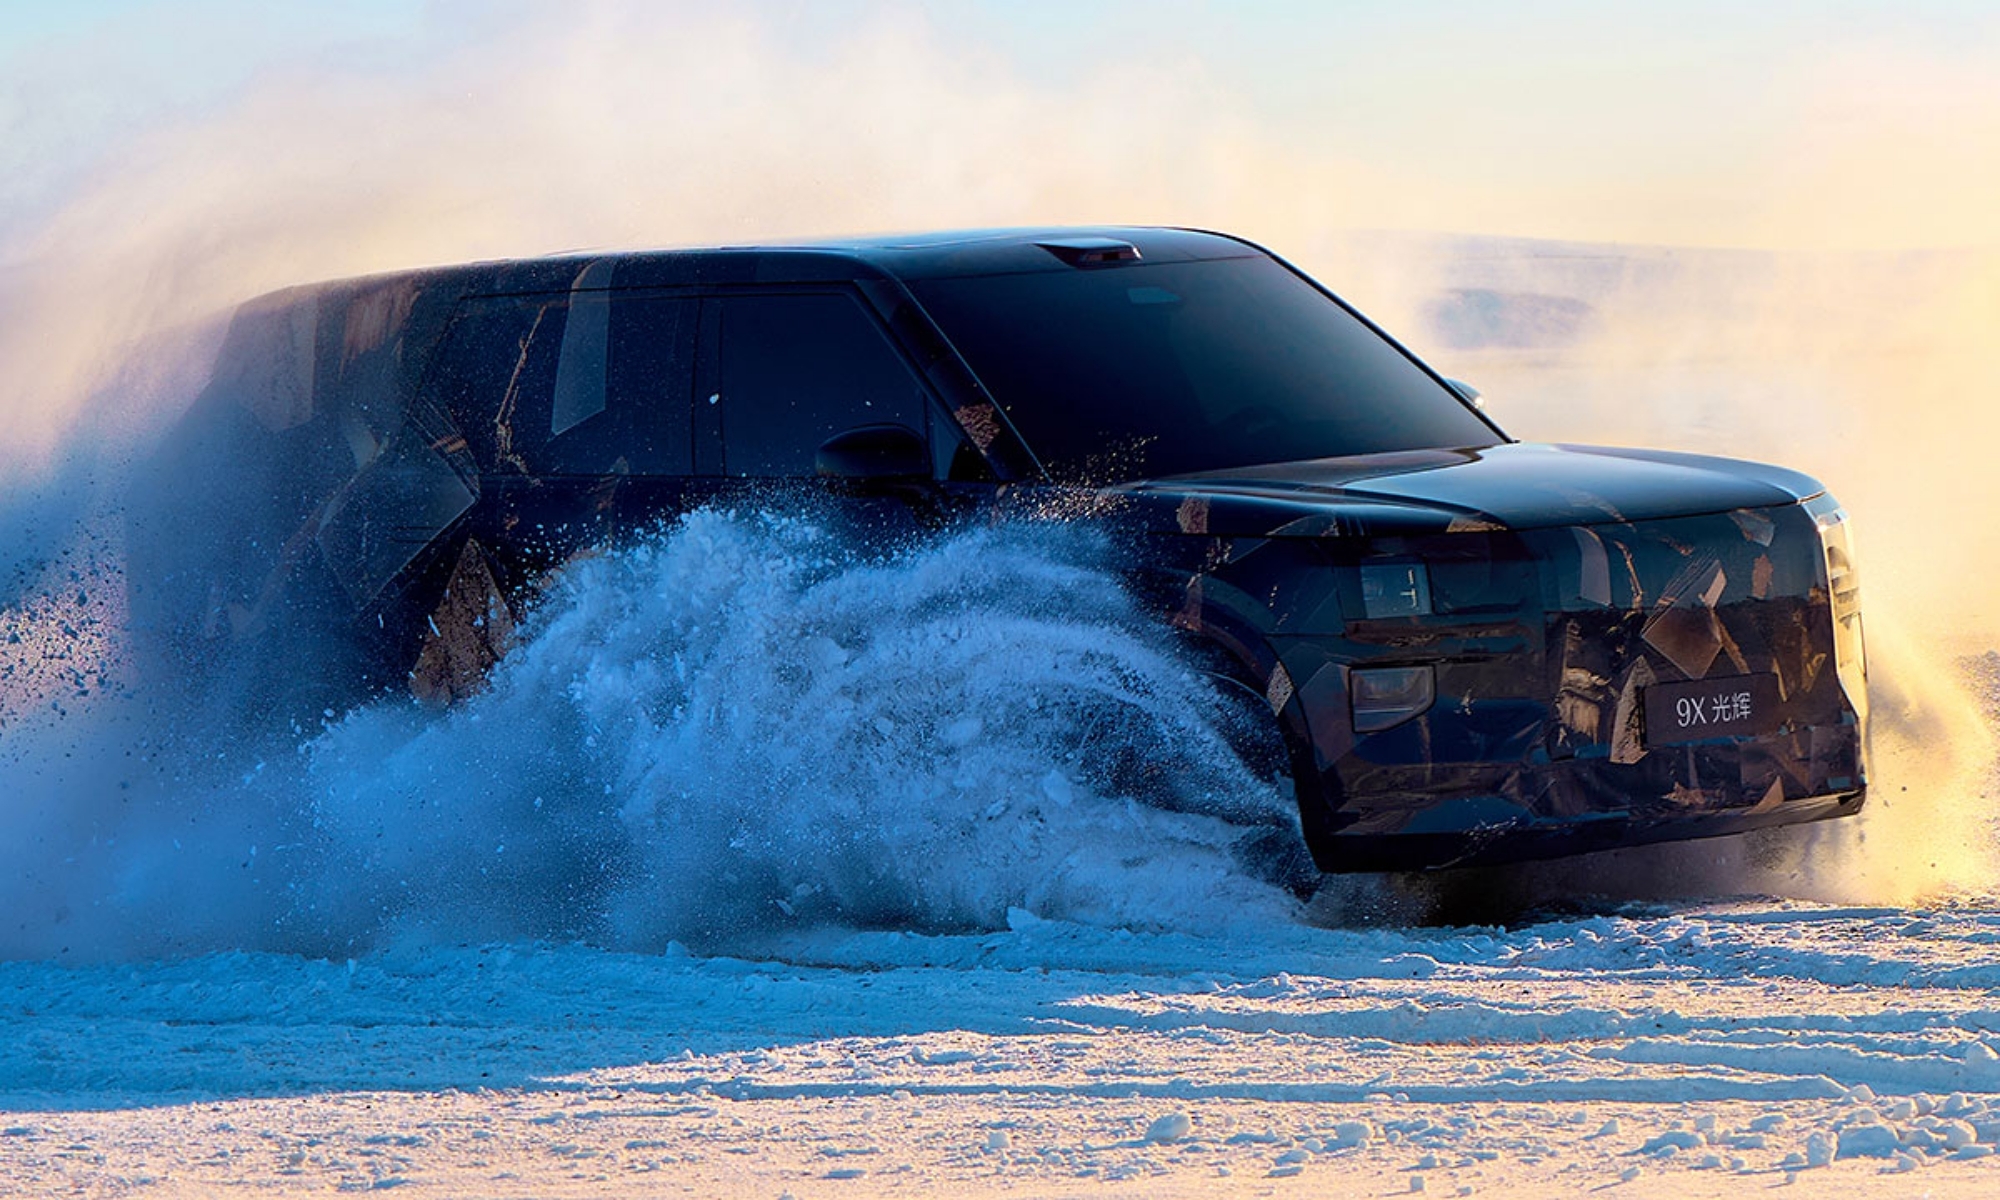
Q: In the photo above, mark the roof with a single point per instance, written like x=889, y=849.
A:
x=1008, y=251
x=898, y=256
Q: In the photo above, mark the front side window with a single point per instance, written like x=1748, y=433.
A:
x=794, y=369
x=1154, y=369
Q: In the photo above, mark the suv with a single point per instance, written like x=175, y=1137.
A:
x=1476, y=650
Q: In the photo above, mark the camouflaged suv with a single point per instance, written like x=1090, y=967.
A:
x=1474, y=649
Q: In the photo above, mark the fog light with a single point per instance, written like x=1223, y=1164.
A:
x=1400, y=589
x=1385, y=696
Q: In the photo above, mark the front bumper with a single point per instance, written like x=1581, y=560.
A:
x=1480, y=844
x=1544, y=643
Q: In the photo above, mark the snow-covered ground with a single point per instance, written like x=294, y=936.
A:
x=760, y=871
x=1692, y=1052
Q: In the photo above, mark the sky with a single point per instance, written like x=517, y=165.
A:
x=161, y=162
x=1784, y=125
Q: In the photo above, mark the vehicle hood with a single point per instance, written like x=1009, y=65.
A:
x=1517, y=485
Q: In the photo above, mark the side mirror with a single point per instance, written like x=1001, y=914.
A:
x=874, y=454
x=1466, y=392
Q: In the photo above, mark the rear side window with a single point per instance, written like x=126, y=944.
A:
x=795, y=369
x=588, y=383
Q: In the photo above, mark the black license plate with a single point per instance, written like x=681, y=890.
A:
x=1711, y=708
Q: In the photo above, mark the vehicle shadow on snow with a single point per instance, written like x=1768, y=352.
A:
x=1792, y=861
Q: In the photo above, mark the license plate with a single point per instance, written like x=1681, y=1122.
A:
x=1710, y=708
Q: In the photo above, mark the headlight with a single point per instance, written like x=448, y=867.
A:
x=1843, y=589
x=1395, y=589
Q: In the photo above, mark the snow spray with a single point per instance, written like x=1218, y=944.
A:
x=735, y=727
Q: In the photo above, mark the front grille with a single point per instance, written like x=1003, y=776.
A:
x=1630, y=605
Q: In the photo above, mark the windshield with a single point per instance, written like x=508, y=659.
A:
x=1152, y=369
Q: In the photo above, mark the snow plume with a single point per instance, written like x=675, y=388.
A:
x=734, y=728
x=531, y=129
x=148, y=822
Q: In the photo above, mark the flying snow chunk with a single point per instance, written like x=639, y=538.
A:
x=1056, y=786
x=1020, y=918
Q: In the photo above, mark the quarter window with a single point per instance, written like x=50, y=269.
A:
x=495, y=374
